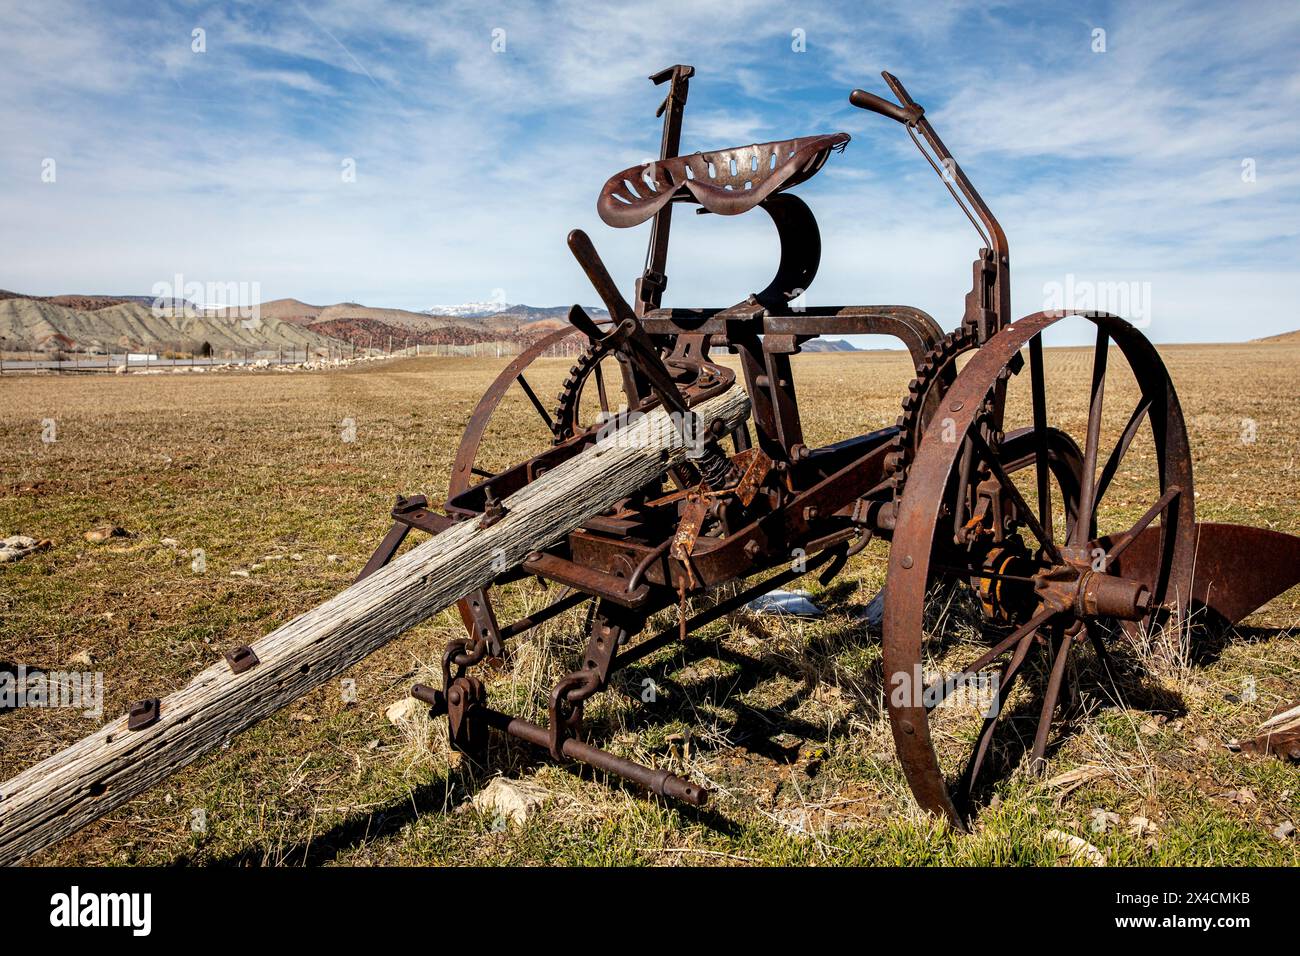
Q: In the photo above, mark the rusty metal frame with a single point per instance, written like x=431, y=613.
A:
x=735, y=514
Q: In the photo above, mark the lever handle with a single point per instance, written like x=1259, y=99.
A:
x=877, y=104
x=628, y=336
x=906, y=111
x=582, y=249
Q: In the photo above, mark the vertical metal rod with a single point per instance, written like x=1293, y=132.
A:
x=649, y=288
x=1049, y=703
x=1082, y=529
x=1040, y=432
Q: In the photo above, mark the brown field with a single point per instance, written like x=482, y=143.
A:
x=784, y=718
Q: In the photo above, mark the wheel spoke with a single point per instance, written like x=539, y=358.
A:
x=982, y=573
x=1083, y=525
x=1037, y=757
x=981, y=446
x=997, y=650
x=541, y=409
x=969, y=775
x=1039, y=389
x=1120, y=546
x=1118, y=452
x=600, y=387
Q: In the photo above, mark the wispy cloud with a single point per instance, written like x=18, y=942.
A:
x=406, y=153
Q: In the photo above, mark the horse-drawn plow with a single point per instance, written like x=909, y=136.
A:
x=669, y=475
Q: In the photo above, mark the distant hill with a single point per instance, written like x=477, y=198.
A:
x=829, y=345
x=33, y=325
x=469, y=310
x=289, y=310
x=1292, y=338
x=93, y=303
x=365, y=332
x=513, y=317
x=400, y=318
x=109, y=323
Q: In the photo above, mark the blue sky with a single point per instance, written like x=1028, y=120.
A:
x=1123, y=166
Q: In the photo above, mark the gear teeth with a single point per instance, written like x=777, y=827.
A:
x=566, y=400
x=938, y=360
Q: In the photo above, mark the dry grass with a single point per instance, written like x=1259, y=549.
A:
x=783, y=718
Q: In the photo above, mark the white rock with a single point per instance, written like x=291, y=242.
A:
x=406, y=711
x=239, y=574
x=1080, y=850
x=513, y=801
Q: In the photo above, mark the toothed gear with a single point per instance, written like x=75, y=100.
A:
x=924, y=393
x=565, y=416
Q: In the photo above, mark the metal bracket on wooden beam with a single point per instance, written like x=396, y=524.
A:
x=143, y=713
x=241, y=658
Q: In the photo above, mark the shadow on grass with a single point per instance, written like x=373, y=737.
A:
x=355, y=831
x=426, y=799
x=756, y=728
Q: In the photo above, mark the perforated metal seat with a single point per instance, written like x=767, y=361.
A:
x=727, y=181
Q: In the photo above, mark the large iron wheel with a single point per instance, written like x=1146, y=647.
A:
x=561, y=422
x=1046, y=583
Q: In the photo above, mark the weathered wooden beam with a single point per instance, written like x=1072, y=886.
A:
x=66, y=791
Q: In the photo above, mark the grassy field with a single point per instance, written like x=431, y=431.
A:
x=783, y=718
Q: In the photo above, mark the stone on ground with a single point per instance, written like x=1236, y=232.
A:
x=406, y=711
x=514, y=801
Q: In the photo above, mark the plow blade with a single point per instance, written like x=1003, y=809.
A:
x=1238, y=569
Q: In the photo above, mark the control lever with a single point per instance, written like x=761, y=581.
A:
x=629, y=338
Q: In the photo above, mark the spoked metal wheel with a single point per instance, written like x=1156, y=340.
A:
x=979, y=510
x=569, y=413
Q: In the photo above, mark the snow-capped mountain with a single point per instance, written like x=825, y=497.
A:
x=501, y=315
x=469, y=310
